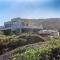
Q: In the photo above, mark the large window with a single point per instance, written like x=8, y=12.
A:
x=24, y=24
x=7, y=25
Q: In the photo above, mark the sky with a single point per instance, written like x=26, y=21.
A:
x=28, y=9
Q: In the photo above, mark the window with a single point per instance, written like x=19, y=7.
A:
x=23, y=24
x=7, y=25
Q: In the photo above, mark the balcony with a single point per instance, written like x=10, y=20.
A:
x=21, y=27
x=3, y=28
x=33, y=27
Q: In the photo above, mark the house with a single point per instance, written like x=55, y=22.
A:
x=49, y=32
x=53, y=32
x=21, y=25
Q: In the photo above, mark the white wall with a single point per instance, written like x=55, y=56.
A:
x=54, y=33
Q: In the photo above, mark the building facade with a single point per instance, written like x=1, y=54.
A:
x=19, y=25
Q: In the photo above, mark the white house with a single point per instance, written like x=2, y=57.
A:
x=49, y=32
x=54, y=32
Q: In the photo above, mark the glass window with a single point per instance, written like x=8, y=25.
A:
x=7, y=25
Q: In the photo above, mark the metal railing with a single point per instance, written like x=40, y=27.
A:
x=31, y=27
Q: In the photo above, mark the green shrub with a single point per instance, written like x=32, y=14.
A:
x=40, y=52
x=11, y=42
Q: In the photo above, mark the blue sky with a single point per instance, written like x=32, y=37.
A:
x=29, y=9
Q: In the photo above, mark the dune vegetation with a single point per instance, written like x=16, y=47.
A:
x=30, y=47
x=46, y=51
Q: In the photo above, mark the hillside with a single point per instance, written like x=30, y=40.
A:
x=49, y=23
x=48, y=50
x=29, y=47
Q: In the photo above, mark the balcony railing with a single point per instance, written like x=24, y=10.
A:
x=31, y=27
x=3, y=28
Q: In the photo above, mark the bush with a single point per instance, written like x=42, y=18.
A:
x=11, y=42
x=54, y=54
x=46, y=51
